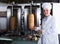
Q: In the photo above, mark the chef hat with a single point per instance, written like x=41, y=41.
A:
x=46, y=5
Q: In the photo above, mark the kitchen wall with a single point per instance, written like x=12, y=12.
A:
x=56, y=14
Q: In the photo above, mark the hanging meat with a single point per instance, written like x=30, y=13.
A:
x=12, y=23
x=30, y=21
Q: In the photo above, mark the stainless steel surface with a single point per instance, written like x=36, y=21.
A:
x=25, y=17
x=38, y=16
x=8, y=16
x=19, y=17
x=3, y=23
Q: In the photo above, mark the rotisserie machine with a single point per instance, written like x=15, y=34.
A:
x=21, y=18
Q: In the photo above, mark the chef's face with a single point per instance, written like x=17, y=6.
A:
x=46, y=12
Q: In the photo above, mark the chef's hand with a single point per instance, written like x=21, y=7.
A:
x=40, y=31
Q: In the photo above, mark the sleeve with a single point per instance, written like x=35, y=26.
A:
x=37, y=28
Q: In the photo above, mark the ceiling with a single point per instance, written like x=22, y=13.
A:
x=27, y=1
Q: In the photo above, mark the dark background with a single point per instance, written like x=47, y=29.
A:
x=27, y=1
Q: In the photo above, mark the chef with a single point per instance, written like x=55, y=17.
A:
x=49, y=35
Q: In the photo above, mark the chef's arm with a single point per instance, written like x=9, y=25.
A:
x=38, y=29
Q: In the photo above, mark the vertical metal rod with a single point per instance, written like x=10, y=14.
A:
x=12, y=10
x=31, y=7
